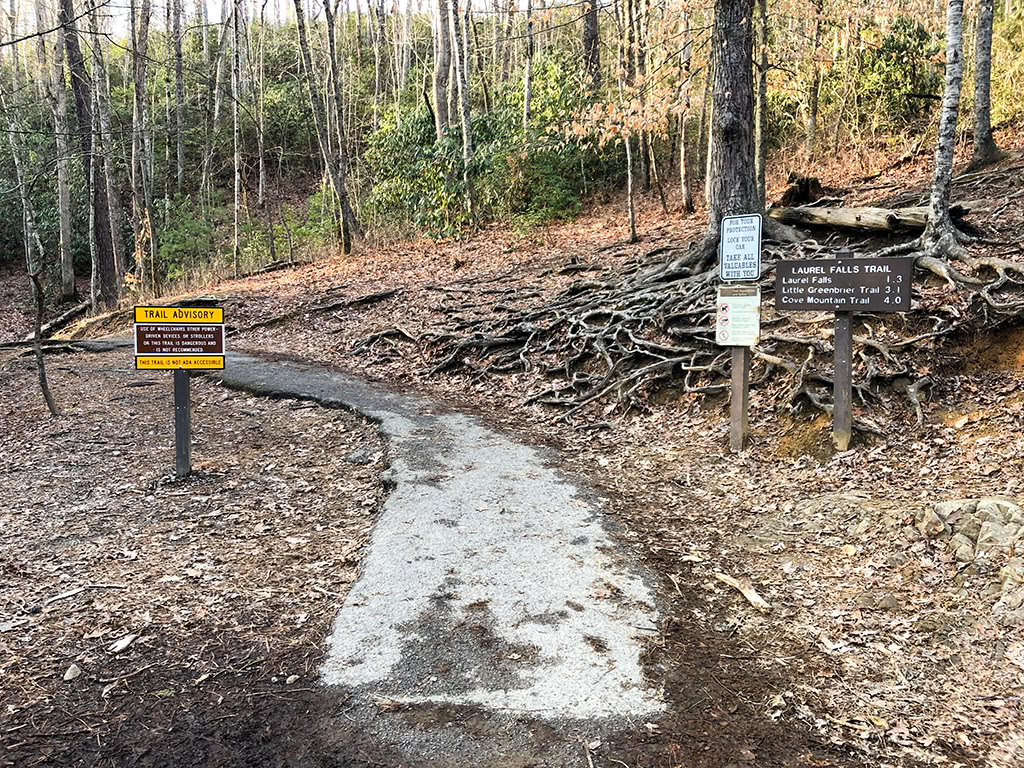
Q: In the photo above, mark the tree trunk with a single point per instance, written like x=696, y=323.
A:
x=630, y=203
x=31, y=235
x=262, y=108
x=406, y=47
x=939, y=231
x=108, y=285
x=462, y=79
x=592, y=45
x=985, y=149
x=442, y=67
x=57, y=98
x=815, y=84
x=684, y=165
x=236, y=56
x=378, y=65
x=732, y=186
x=104, y=137
x=331, y=163
x=528, y=73
x=762, y=105
x=179, y=99
x=140, y=187
x=349, y=223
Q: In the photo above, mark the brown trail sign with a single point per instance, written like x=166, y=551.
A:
x=843, y=285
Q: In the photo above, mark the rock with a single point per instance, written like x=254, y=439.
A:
x=953, y=511
x=73, y=671
x=291, y=679
x=860, y=528
x=962, y=548
x=1011, y=599
x=931, y=525
x=360, y=456
x=969, y=527
x=995, y=538
x=883, y=601
x=897, y=559
x=998, y=510
x=1012, y=574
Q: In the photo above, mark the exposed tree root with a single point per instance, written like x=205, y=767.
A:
x=620, y=337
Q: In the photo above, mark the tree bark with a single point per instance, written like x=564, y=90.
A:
x=684, y=165
x=107, y=288
x=236, y=56
x=864, y=219
x=528, y=72
x=592, y=45
x=458, y=45
x=442, y=67
x=985, y=149
x=179, y=99
x=55, y=85
x=104, y=138
x=939, y=231
x=378, y=65
x=815, y=84
x=732, y=186
x=762, y=104
x=331, y=163
x=140, y=173
x=349, y=222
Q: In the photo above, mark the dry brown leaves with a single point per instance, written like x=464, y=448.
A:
x=167, y=597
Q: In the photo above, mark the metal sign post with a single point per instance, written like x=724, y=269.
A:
x=180, y=339
x=182, y=423
x=844, y=285
x=738, y=312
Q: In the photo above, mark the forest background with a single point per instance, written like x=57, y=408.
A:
x=152, y=144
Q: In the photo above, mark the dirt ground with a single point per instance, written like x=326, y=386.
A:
x=876, y=646
x=146, y=621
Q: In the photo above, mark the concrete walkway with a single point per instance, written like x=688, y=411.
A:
x=491, y=582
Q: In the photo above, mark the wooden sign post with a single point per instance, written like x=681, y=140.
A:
x=738, y=312
x=844, y=286
x=180, y=339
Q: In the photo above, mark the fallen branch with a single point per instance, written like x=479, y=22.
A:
x=746, y=589
x=80, y=590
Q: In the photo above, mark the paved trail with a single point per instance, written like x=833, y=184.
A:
x=495, y=616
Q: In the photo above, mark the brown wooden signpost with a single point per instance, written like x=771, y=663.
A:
x=843, y=285
x=180, y=339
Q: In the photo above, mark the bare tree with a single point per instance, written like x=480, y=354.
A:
x=462, y=78
x=179, y=98
x=528, y=71
x=985, y=149
x=442, y=67
x=33, y=245
x=106, y=280
x=141, y=189
x=592, y=44
x=55, y=86
x=236, y=96
x=333, y=167
x=686, y=58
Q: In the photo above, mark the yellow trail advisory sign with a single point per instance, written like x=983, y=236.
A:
x=179, y=338
x=179, y=315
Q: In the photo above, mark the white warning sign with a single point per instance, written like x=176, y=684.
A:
x=738, y=315
x=739, y=250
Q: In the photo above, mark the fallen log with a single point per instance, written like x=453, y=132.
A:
x=866, y=219
x=60, y=321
